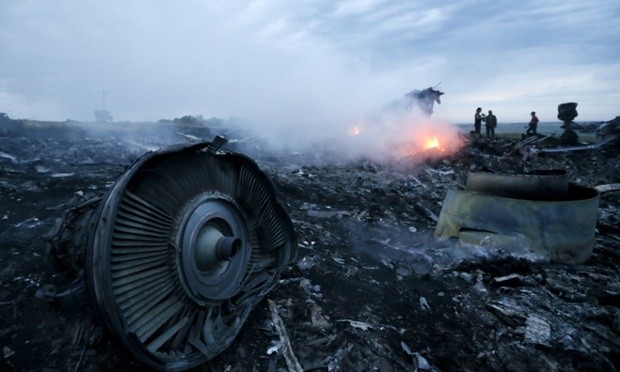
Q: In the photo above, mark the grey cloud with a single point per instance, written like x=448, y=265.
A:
x=302, y=61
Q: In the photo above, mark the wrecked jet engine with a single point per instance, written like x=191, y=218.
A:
x=541, y=211
x=177, y=253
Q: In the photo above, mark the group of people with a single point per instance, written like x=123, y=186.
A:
x=490, y=121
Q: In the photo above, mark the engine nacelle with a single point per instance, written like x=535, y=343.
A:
x=178, y=252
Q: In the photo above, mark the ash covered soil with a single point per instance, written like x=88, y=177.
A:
x=371, y=289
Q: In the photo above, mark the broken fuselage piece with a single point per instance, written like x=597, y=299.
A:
x=541, y=212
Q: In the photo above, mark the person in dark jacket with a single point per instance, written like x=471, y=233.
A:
x=491, y=124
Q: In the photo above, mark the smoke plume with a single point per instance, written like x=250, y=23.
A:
x=397, y=131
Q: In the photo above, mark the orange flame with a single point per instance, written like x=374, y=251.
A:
x=432, y=143
x=429, y=139
x=403, y=137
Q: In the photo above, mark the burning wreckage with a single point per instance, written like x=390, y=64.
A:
x=172, y=257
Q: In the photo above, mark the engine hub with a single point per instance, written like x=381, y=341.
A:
x=215, y=249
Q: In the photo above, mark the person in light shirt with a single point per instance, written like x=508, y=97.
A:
x=478, y=121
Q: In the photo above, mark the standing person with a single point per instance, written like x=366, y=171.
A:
x=531, y=129
x=478, y=121
x=491, y=123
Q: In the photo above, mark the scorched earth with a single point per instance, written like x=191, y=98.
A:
x=372, y=289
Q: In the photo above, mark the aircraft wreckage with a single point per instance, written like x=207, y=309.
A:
x=177, y=253
x=183, y=246
x=540, y=210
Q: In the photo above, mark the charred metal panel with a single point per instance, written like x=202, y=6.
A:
x=178, y=252
x=560, y=227
x=537, y=185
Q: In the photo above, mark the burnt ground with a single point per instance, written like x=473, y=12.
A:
x=371, y=290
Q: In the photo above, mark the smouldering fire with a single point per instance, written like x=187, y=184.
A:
x=426, y=138
x=432, y=143
x=400, y=137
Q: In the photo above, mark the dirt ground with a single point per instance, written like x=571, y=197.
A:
x=372, y=289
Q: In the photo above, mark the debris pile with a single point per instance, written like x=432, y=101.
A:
x=567, y=112
x=372, y=288
x=609, y=128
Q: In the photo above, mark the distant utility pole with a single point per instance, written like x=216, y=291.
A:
x=103, y=115
x=103, y=93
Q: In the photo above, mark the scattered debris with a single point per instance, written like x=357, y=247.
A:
x=421, y=363
x=274, y=348
x=537, y=330
x=62, y=175
x=595, y=146
x=327, y=214
x=424, y=304
x=608, y=187
x=348, y=272
x=287, y=350
x=316, y=316
x=7, y=352
x=357, y=324
x=479, y=286
x=511, y=280
x=10, y=157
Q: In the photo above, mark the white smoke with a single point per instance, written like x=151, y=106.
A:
x=385, y=135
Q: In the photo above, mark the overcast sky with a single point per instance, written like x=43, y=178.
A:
x=305, y=61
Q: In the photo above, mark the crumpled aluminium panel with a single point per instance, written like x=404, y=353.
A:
x=494, y=208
